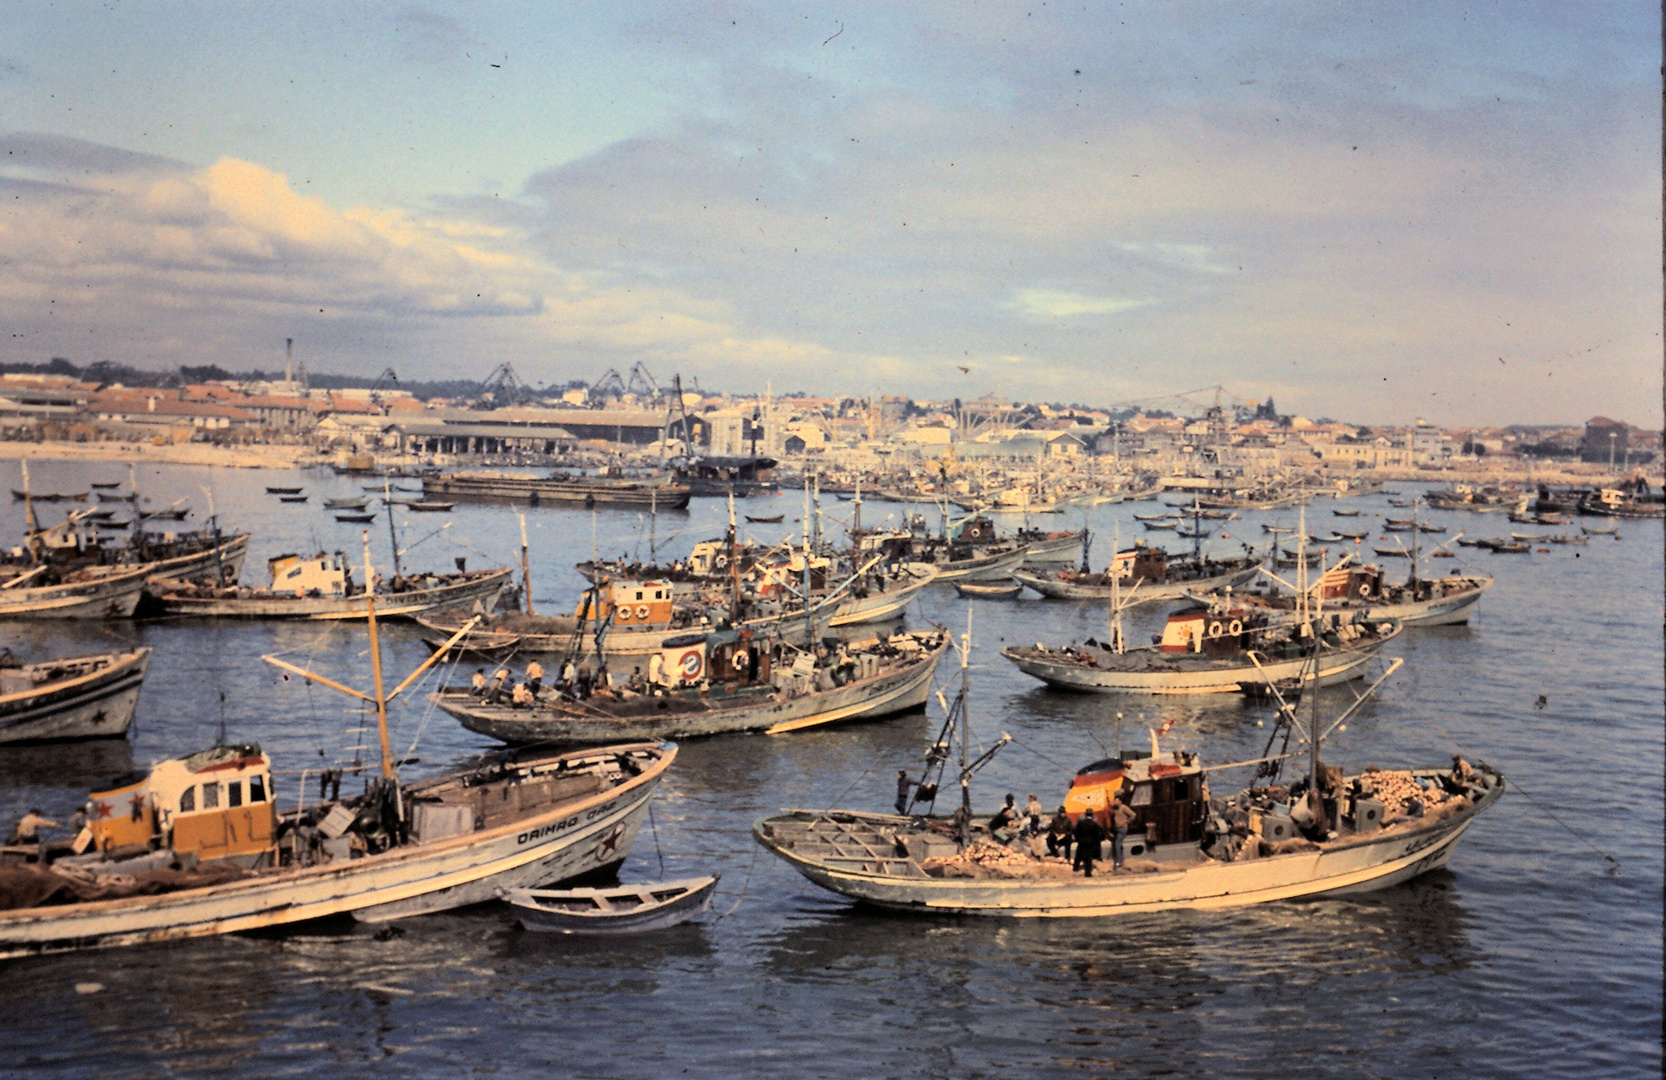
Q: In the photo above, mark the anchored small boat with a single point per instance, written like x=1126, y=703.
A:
x=283, y=491
x=621, y=909
x=1152, y=571
x=770, y=519
x=292, y=498
x=355, y=519
x=427, y=507
x=72, y=697
x=354, y=503
x=91, y=592
x=983, y=590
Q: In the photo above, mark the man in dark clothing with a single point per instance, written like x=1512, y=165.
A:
x=903, y=784
x=1058, y=834
x=1089, y=836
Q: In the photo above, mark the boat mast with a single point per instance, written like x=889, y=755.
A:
x=393, y=535
x=734, y=565
x=809, y=611
x=857, y=506
x=1416, y=534
x=653, y=522
x=376, y=661
x=965, y=736
x=526, y=564
x=1197, y=533
x=31, y=524
x=1116, y=588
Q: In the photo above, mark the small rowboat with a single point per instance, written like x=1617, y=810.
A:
x=292, y=498
x=1156, y=525
x=1589, y=530
x=105, y=497
x=1150, y=517
x=283, y=491
x=1345, y=513
x=773, y=519
x=356, y=519
x=165, y=515
x=621, y=909
x=345, y=504
x=107, y=485
x=974, y=590
x=429, y=507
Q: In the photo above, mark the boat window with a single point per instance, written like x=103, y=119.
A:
x=257, y=789
x=1142, y=795
x=210, y=796
x=234, y=793
x=188, y=800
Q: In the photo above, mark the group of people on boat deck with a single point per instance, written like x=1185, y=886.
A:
x=503, y=687
x=1087, y=835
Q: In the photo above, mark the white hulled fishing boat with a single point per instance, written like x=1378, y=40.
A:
x=72, y=697
x=1327, y=834
x=197, y=845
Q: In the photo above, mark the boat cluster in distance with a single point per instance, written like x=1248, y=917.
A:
x=731, y=636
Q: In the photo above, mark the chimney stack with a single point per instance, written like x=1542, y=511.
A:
x=288, y=359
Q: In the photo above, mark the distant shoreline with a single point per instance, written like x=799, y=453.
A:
x=282, y=456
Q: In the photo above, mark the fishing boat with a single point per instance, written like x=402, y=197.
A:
x=90, y=592
x=771, y=519
x=356, y=502
x=322, y=587
x=718, y=683
x=1391, y=553
x=355, y=519
x=1345, y=513
x=1161, y=526
x=560, y=490
x=1350, y=588
x=1152, y=517
x=1156, y=574
x=1591, y=530
x=49, y=496
x=283, y=491
x=986, y=590
x=198, y=846
x=1328, y=833
x=292, y=498
x=106, y=484
x=427, y=507
x=619, y=909
x=178, y=513
x=72, y=697
x=1050, y=548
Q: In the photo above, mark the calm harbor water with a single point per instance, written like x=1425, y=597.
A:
x=1524, y=958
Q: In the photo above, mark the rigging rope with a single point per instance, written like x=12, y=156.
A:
x=743, y=885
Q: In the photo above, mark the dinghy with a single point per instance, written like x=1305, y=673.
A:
x=621, y=909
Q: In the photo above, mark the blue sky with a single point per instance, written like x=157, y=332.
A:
x=1370, y=211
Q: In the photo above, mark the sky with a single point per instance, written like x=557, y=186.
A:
x=1366, y=211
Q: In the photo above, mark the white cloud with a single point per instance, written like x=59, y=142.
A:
x=1062, y=304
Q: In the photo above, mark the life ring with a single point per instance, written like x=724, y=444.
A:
x=1364, y=589
x=642, y=611
x=738, y=661
x=1215, y=628
x=624, y=613
x=1235, y=627
x=690, y=664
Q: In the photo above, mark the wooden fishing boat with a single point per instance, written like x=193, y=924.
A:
x=771, y=519
x=427, y=507
x=322, y=587
x=178, y=513
x=1152, y=517
x=724, y=682
x=1354, y=589
x=350, y=503
x=72, y=697
x=91, y=592
x=1323, y=834
x=1391, y=553
x=49, y=496
x=292, y=498
x=283, y=491
x=1209, y=650
x=1590, y=530
x=1152, y=571
x=1345, y=513
x=620, y=909
x=983, y=590
x=1160, y=526
x=1051, y=548
x=107, y=484
x=237, y=864
x=355, y=519
x=1183, y=848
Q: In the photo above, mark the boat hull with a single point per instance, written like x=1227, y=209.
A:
x=885, y=694
x=877, y=606
x=111, y=596
x=1361, y=865
x=568, y=840
x=97, y=705
x=537, y=491
x=691, y=903
x=981, y=568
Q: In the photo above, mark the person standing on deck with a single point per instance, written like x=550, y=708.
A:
x=534, y=676
x=1090, y=835
x=29, y=826
x=1122, y=816
x=903, y=784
